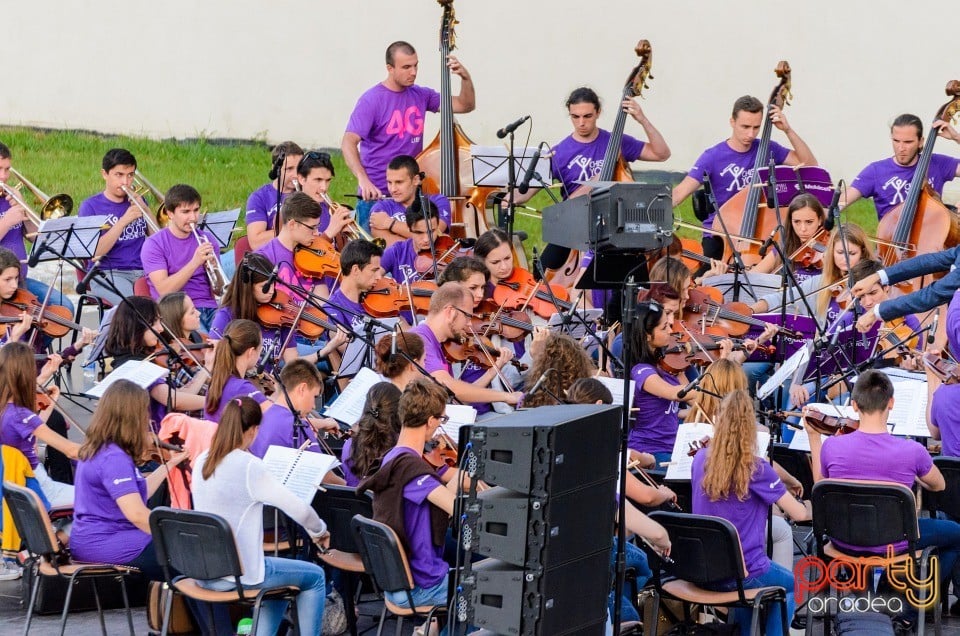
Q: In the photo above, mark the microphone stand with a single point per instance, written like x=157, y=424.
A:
x=511, y=185
x=282, y=158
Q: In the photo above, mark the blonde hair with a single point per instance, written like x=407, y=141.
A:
x=831, y=274
x=731, y=458
x=725, y=376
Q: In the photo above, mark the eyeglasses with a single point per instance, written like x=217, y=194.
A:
x=443, y=419
x=313, y=155
x=312, y=228
x=465, y=313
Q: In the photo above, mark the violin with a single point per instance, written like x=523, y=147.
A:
x=446, y=250
x=185, y=360
x=488, y=318
x=54, y=320
x=898, y=334
x=158, y=450
x=318, y=259
x=521, y=290
x=477, y=349
x=441, y=451
x=697, y=444
x=810, y=254
x=387, y=298
x=830, y=424
x=281, y=311
x=705, y=307
x=700, y=349
x=947, y=370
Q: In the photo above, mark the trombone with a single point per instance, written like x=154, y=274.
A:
x=55, y=207
x=352, y=231
x=141, y=186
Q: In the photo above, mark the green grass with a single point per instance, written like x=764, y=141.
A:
x=225, y=172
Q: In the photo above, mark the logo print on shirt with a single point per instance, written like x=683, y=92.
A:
x=423, y=480
x=774, y=484
x=120, y=480
x=588, y=168
x=901, y=188
x=409, y=274
x=409, y=122
x=740, y=177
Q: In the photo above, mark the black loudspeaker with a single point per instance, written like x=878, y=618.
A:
x=546, y=527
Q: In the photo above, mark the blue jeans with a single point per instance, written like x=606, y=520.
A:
x=206, y=317
x=777, y=575
x=663, y=457
x=39, y=289
x=433, y=595
x=362, y=213
x=945, y=535
x=636, y=559
x=228, y=263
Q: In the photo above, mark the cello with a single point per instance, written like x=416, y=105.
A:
x=615, y=167
x=922, y=224
x=446, y=161
x=741, y=214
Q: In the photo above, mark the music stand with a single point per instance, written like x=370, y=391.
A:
x=760, y=284
x=221, y=225
x=68, y=237
x=490, y=168
x=359, y=353
x=792, y=181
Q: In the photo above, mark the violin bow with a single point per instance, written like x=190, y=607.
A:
x=490, y=360
x=409, y=291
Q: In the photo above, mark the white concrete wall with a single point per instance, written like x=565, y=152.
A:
x=286, y=69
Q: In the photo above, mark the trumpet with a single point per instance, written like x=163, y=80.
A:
x=216, y=277
x=55, y=207
x=352, y=231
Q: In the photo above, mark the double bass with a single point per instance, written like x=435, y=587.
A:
x=922, y=224
x=741, y=214
x=615, y=167
x=446, y=161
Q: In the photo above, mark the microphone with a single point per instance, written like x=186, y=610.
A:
x=84, y=283
x=36, y=254
x=528, y=175
x=766, y=245
x=690, y=387
x=509, y=128
x=932, y=331
x=271, y=279
x=833, y=213
x=277, y=165
x=539, y=382
x=393, y=343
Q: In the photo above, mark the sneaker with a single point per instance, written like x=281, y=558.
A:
x=10, y=571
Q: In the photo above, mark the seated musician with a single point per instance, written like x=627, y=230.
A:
x=22, y=425
x=180, y=317
x=264, y=202
x=411, y=499
x=173, y=259
x=235, y=356
x=129, y=339
x=301, y=385
x=805, y=217
x=111, y=518
x=14, y=226
x=872, y=453
x=374, y=434
x=396, y=368
x=360, y=266
x=451, y=308
x=120, y=246
x=388, y=216
x=735, y=484
x=563, y=359
x=314, y=175
x=399, y=259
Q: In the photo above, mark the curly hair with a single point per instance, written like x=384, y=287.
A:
x=569, y=362
x=377, y=429
x=731, y=458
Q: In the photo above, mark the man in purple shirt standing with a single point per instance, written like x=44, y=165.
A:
x=388, y=121
x=729, y=164
x=119, y=247
x=173, y=259
x=888, y=181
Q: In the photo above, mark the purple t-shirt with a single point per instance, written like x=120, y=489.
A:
x=277, y=253
x=355, y=319
x=346, y=463
x=100, y=531
x=272, y=339
x=13, y=239
x=125, y=253
x=276, y=429
x=471, y=373
x=233, y=388
x=875, y=457
x=889, y=183
x=578, y=161
x=165, y=252
x=655, y=426
x=16, y=429
x=945, y=413
x=262, y=204
x=953, y=322
x=398, y=261
x=730, y=171
x=390, y=124
x=426, y=559
x=398, y=211
x=749, y=516
x=433, y=357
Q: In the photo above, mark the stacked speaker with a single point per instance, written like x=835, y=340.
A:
x=547, y=525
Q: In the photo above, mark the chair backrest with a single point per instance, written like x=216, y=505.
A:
x=947, y=500
x=199, y=545
x=704, y=549
x=241, y=247
x=383, y=556
x=140, y=287
x=337, y=507
x=30, y=518
x=795, y=462
x=864, y=514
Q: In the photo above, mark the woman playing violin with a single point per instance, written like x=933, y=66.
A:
x=130, y=340
x=181, y=317
x=804, y=228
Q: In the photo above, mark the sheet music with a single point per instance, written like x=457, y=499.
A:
x=355, y=355
x=349, y=406
x=786, y=371
x=574, y=327
x=616, y=388
x=490, y=168
x=143, y=373
x=83, y=241
x=681, y=463
x=300, y=471
x=909, y=414
x=460, y=415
